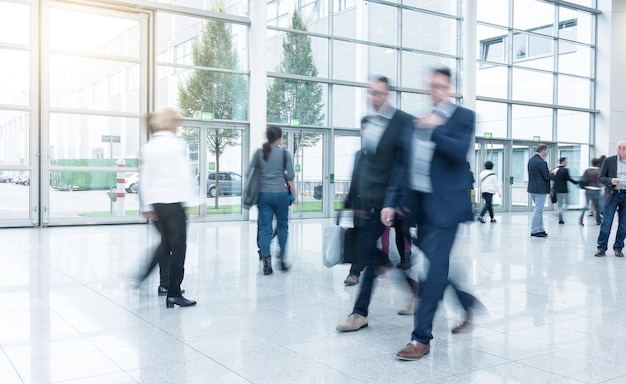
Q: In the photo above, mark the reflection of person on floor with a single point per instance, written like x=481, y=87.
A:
x=162, y=194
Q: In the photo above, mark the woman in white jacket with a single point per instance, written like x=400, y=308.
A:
x=489, y=186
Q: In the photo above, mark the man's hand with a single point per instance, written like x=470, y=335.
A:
x=151, y=216
x=430, y=121
x=615, y=181
x=387, y=215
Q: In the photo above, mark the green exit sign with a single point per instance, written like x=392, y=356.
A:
x=294, y=122
x=297, y=168
x=207, y=116
x=536, y=138
x=488, y=135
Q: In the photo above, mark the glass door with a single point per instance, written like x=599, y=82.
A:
x=493, y=151
x=93, y=95
x=312, y=180
x=346, y=144
x=215, y=161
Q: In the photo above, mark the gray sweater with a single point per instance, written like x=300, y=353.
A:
x=273, y=175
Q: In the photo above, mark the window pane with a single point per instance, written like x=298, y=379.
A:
x=382, y=61
x=14, y=196
x=382, y=24
x=575, y=59
x=538, y=52
x=416, y=104
x=94, y=84
x=574, y=91
x=491, y=81
x=346, y=24
x=14, y=137
x=492, y=44
x=428, y=32
x=443, y=6
x=577, y=26
x=528, y=122
x=493, y=11
x=98, y=33
x=416, y=68
x=297, y=60
x=14, y=23
x=533, y=15
x=289, y=100
x=491, y=118
x=532, y=86
x=180, y=41
x=572, y=126
x=194, y=91
x=14, y=77
x=232, y=7
x=349, y=106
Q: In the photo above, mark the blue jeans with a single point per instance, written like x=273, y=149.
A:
x=270, y=204
x=592, y=195
x=561, y=204
x=539, y=199
x=618, y=202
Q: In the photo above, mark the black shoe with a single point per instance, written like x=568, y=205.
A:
x=479, y=218
x=405, y=262
x=281, y=263
x=163, y=291
x=267, y=265
x=180, y=301
x=493, y=220
x=618, y=252
x=600, y=253
x=539, y=234
x=561, y=222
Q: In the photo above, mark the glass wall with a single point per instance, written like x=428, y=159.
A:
x=535, y=73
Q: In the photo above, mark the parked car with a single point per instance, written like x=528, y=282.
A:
x=132, y=183
x=229, y=183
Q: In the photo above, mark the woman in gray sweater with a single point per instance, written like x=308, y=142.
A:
x=276, y=166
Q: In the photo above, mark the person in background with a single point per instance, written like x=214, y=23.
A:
x=561, y=177
x=163, y=163
x=277, y=171
x=539, y=177
x=613, y=177
x=593, y=189
x=489, y=186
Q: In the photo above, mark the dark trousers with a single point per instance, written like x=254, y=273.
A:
x=370, y=229
x=488, y=197
x=173, y=229
x=161, y=257
x=617, y=203
x=592, y=195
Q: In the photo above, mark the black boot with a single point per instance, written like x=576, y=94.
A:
x=267, y=265
x=405, y=261
x=282, y=265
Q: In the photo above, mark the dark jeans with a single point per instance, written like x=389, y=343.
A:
x=488, y=204
x=592, y=195
x=173, y=228
x=370, y=229
x=270, y=204
x=161, y=257
x=617, y=203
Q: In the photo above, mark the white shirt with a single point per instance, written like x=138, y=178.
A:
x=489, y=184
x=164, y=175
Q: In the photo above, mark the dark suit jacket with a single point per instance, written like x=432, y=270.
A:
x=608, y=172
x=449, y=204
x=382, y=174
x=539, y=176
x=560, y=180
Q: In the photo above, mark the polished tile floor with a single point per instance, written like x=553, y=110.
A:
x=556, y=313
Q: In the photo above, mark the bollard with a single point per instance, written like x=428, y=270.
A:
x=121, y=192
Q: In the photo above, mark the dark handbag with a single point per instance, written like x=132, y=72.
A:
x=251, y=186
x=553, y=196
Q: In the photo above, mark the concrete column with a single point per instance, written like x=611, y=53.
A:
x=610, y=76
x=258, y=74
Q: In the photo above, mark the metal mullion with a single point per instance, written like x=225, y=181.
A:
x=200, y=68
x=416, y=9
x=534, y=104
x=15, y=47
x=573, y=6
x=76, y=168
x=555, y=76
x=91, y=112
x=84, y=55
x=16, y=107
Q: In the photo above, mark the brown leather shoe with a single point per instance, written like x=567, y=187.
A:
x=351, y=280
x=413, y=351
x=466, y=327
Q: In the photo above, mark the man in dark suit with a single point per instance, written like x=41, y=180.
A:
x=561, y=177
x=613, y=176
x=438, y=195
x=382, y=171
x=539, y=177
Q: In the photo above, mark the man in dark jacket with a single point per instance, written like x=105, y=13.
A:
x=613, y=177
x=382, y=166
x=561, y=178
x=539, y=177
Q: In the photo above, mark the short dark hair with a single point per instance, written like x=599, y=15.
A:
x=443, y=71
x=382, y=79
x=596, y=162
x=562, y=159
x=541, y=148
x=488, y=165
